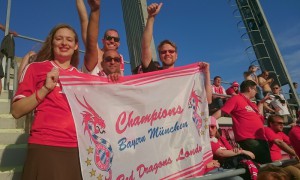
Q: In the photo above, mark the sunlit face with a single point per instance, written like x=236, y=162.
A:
x=110, y=40
x=168, y=55
x=212, y=131
x=277, y=125
x=64, y=44
x=111, y=62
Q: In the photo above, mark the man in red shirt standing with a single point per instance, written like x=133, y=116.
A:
x=248, y=121
x=277, y=139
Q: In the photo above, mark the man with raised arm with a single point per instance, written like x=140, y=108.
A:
x=110, y=41
x=167, y=51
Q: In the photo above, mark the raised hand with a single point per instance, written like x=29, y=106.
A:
x=153, y=9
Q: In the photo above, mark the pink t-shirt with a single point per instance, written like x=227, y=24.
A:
x=274, y=149
x=53, y=123
x=247, y=122
x=294, y=136
x=221, y=143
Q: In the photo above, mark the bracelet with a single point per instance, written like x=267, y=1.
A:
x=38, y=99
x=47, y=88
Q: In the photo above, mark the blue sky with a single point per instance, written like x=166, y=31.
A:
x=204, y=30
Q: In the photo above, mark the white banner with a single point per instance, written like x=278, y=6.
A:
x=148, y=126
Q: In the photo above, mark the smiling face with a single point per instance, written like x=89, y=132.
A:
x=111, y=40
x=111, y=62
x=167, y=53
x=64, y=45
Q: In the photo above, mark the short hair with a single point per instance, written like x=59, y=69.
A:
x=105, y=33
x=217, y=77
x=294, y=83
x=272, y=117
x=246, y=84
x=166, y=42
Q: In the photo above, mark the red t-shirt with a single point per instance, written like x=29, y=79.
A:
x=247, y=122
x=274, y=149
x=294, y=136
x=221, y=143
x=53, y=123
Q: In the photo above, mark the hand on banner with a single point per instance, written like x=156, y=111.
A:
x=114, y=77
x=204, y=66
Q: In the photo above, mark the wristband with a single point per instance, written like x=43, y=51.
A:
x=38, y=99
x=47, y=88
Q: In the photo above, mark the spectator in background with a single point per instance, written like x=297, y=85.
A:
x=271, y=172
x=277, y=139
x=219, y=93
x=233, y=89
x=265, y=82
x=293, y=99
x=279, y=105
x=248, y=121
x=251, y=75
x=294, y=136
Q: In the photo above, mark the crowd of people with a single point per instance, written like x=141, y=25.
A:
x=52, y=145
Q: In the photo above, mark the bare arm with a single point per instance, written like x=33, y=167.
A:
x=207, y=84
x=282, y=145
x=91, y=54
x=217, y=114
x=153, y=10
x=230, y=153
x=83, y=17
x=27, y=104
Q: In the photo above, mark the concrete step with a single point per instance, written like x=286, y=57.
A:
x=4, y=106
x=4, y=94
x=7, y=121
x=13, y=136
x=12, y=155
x=11, y=173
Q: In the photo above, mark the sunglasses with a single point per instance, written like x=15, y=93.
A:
x=107, y=37
x=212, y=127
x=110, y=59
x=169, y=51
x=279, y=123
x=275, y=87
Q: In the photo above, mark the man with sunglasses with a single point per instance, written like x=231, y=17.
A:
x=167, y=51
x=279, y=104
x=111, y=59
x=110, y=41
x=277, y=139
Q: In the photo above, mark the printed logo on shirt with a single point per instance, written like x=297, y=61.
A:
x=249, y=109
